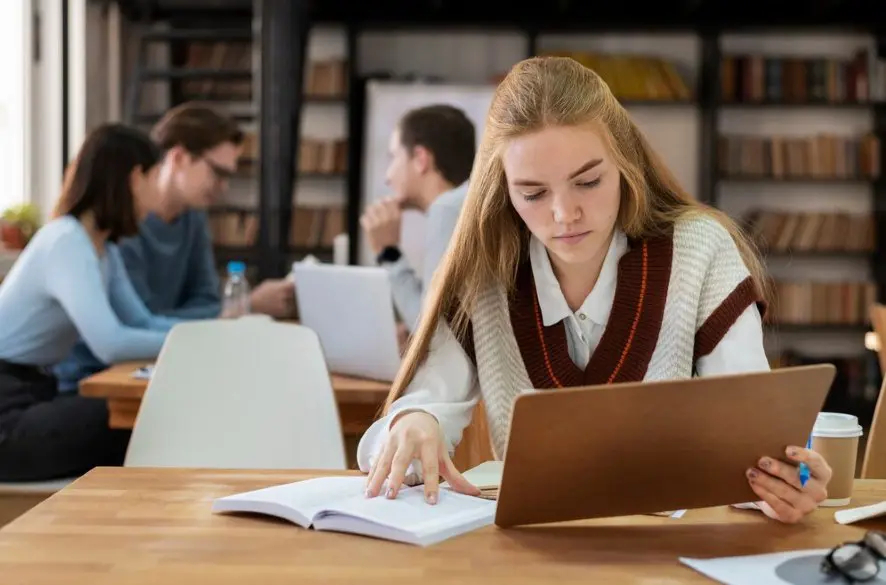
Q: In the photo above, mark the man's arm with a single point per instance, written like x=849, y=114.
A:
x=408, y=289
x=440, y=227
x=381, y=221
x=202, y=294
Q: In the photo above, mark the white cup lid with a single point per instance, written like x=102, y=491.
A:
x=836, y=425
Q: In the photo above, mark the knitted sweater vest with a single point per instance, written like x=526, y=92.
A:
x=676, y=297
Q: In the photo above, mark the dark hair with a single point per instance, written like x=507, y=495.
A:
x=447, y=133
x=98, y=180
x=196, y=127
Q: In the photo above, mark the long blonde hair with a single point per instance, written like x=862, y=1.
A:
x=490, y=238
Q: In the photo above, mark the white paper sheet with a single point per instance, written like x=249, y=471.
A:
x=800, y=567
x=850, y=515
x=143, y=373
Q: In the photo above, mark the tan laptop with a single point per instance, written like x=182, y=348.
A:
x=639, y=448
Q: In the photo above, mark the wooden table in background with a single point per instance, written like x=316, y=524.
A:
x=130, y=526
x=359, y=401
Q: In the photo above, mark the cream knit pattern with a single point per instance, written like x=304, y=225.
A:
x=706, y=268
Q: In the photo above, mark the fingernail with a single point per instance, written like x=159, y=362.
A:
x=390, y=492
x=752, y=473
x=793, y=452
x=764, y=463
x=432, y=498
x=367, y=493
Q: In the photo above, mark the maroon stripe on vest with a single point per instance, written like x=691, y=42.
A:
x=724, y=316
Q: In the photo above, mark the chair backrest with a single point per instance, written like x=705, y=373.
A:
x=241, y=393
x=874, y=462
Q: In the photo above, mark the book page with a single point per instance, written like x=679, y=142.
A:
x=307, y=497
x=487, y=475
x=410, y=512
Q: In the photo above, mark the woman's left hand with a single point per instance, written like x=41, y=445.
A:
x=778, y=485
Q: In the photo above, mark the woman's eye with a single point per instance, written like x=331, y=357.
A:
x=593, y=183
x=533, y=196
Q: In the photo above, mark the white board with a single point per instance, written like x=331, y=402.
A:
x=386, y=103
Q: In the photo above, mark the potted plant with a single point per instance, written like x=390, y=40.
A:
x=18, y=225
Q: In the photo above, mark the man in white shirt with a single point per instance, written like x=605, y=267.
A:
x=432, y=153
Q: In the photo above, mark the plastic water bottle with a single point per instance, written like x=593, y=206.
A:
x=236, y=297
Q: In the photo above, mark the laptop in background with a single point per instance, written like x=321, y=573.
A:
x=351, y=310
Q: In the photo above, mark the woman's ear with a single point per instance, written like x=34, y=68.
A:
x=136, y=175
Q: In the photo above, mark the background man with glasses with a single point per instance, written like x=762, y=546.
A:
x=171, y=262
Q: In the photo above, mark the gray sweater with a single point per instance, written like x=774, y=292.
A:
x=408, y=289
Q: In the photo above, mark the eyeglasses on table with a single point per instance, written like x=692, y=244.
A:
x=857, y=562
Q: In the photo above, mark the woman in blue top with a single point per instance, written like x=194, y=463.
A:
x=70, y=283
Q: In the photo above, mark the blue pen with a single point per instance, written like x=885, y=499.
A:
x=804, y=470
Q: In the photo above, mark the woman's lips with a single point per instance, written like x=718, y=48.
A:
x=572, y=238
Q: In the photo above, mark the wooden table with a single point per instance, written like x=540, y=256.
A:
x=143, y=526
x=358, y=400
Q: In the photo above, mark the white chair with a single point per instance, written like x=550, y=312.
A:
x=244, y=393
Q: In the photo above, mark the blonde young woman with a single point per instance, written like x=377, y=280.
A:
x=578, y=259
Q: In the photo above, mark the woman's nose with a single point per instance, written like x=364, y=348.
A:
x=566, y=209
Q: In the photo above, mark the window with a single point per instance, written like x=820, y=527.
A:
x=15, y=68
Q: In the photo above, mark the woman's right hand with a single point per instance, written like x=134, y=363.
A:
x=416, y=435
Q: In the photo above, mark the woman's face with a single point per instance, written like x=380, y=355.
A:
x=145, y=192
x=564, y=185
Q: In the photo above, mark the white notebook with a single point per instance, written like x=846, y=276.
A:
x=338, y=504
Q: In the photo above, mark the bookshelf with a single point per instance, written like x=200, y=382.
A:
x=210, y=59
x=738, y=142
x=320, y=194
x=798, y=159
x=657, y=76
x=216, y=61
x=731, y=104
x=823, y=268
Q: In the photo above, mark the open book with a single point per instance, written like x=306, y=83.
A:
x=339, y=504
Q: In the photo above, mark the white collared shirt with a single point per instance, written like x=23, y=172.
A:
x=445, y=385
x=584, y=327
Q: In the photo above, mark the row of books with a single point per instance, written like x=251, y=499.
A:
x=324, y=78
x=821, y=156
x=310, y=227
x=235, y=56
x=821, y=303
x=744, y=78
x=316, y=226
x=315, y=155
x=635, y=77
x=761, y=78
x=233, y=229
x=322, y=156
x=811, y=231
